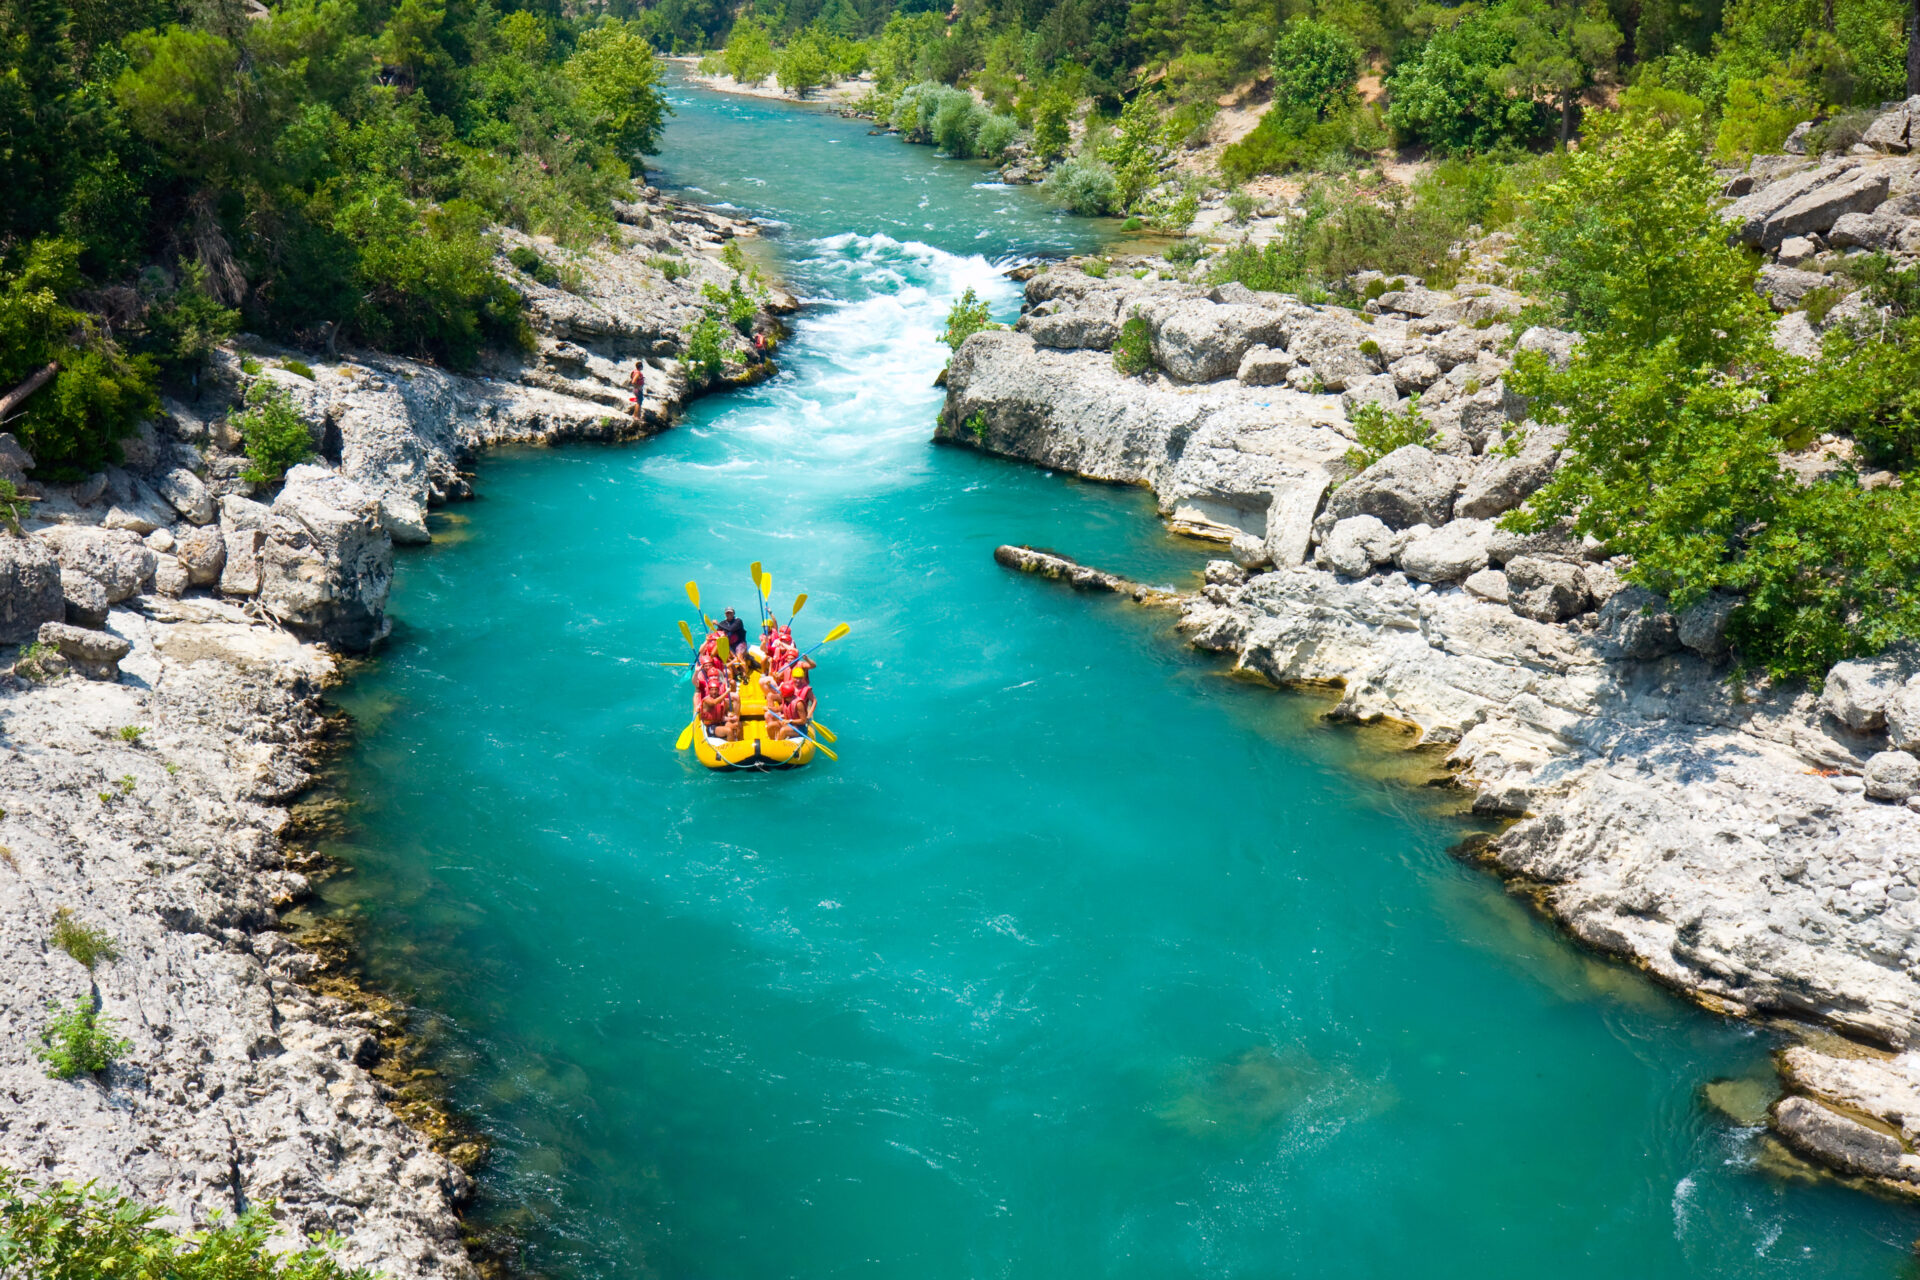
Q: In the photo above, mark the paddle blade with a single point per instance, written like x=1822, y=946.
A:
x=836, y=633
x=693, y=593
x=799, y=602
x=766, y=586
x=830, y=754
x=686, y=633
x=825, y=732
x=685, y=739
x=724, y=649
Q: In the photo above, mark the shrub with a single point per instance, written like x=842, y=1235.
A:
x=976, y=424
x=1050, y=119
x=1185, y=252
x=1133, y=349
x=299, y=368
x=968, y=316
x=1095, y=267
x=749, y=56
x=529, y=262
x=1451, y=95
x=75, y=1231
x=274, y=434
x=79, y=1042
x=956, y=123
x=1241, y=205
x=1759, y=115
x=733, y=303
x=672, y=268
x=1315, y=67
x=184, y=324
x=13, y=506
x=1081, y=185
x=131, y=733
x=86, y=944
x=1838, y=134
x=997, y=133
x=1378, y=433
x=34, y=661
x=706, y=349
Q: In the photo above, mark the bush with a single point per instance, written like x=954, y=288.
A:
x=733, y=303
x=1759, y=115
x=1452, y=95
x=1133, y=349
x=956, y=123
x=274, y=434
x=1378, y=433
x=997, y=133
x=299, y=368
x=529, y=262
x=749, y=56
x=672, y=268
x=1081, y=185
x=1241, y=205
x=76, y=1231
x=1315, y=67
x=86, y=944
x=1095, y=267
x=79, y=1042
x=968, y=316
x=706, y=349
x=184, y=324
x=13, y=507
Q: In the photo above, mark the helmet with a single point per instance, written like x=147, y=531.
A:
x=786, y=688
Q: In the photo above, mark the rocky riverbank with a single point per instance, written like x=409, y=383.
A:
x=176, y=626
x=1755, y=847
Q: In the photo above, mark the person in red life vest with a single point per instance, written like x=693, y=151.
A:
x=777, y=726
x=714, y=709
x=800, y=702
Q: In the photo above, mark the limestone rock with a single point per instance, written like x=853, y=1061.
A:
x=1263, y=366
x=1489, y=585
x=1355, y=545
x=1635, y=625
x=1794, y=334
x=1550, y=544
x=1840, y=1141
x=170, y=577
x=1414, y=373
x=1409, y=486
x=1902, y=714
x=1498, y=483
x=1290, y=518
x=187, y=495
x=1331, y=348
x=1784, y=287
x=139, y=511
x=1892, y=775
x=240, y=561
x=1376, y=389
x=1857, y=691
x=1200, y=341
x=86, y=600
x=1546, y=590
x=1702, y=625
x=203, y=553
x=1749, y=216
x=1892, y=131
x=1795, y=250
x=1447, y=554
x=328, y=560
x=30, y=591
x=1075, y=329
x=1821, y=207
x=94, y=654
x=1876, y=231
x=116, y=558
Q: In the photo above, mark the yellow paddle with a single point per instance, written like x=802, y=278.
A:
x=693, y=594
x=685, y=739
x=724, y=649
x=686, y=633
x=831, y=636
x=823, y=746
x=669, y=664
x=825, y=732
x=799, y=602
x=754, y=571
x=766, y=589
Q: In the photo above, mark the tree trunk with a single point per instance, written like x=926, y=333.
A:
x=1826, y=16
x=18, y=396
x=1566, y=116
x=1913, y=47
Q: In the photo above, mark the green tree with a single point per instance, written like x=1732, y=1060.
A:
x=274, y=434
x=1560, y=49
x=804, y=64
x=1315, y=67
x=749, y=52
x=616, y=82
x=1452, y=94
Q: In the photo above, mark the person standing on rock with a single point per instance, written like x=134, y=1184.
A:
x=638, y=381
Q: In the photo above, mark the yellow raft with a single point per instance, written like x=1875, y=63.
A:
x=754, y=750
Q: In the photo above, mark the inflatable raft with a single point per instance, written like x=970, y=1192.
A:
x=754, y=750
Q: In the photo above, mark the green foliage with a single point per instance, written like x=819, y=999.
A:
x=1081, y=185
x=969, y=315
x=1453, y=94
x=1185, y=252
x=617, y=94
x=1241, y=205
x=13, y=506
x=1378, y=433
x=529, y=261
x=976, y=425
x=1315, y=67
x=1051, y=114
x=734, y=303
x=672, y=268
x=85, y=943
x=804, y=64
x=79, y=1041
x=184, y=323
x=706, y=349
x=997, y=133
x=299, y=368
x=1095, y=267
x=1678, y=407
x=130, y=733
x=749, y=56
x=274, y=434
x=1759, y=115
x=1133, y=349
x=1559, y=50
x=71, y=1232
x=34, y=661
x=71, y=425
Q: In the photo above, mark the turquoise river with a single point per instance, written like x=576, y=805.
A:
x=1085, y=960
